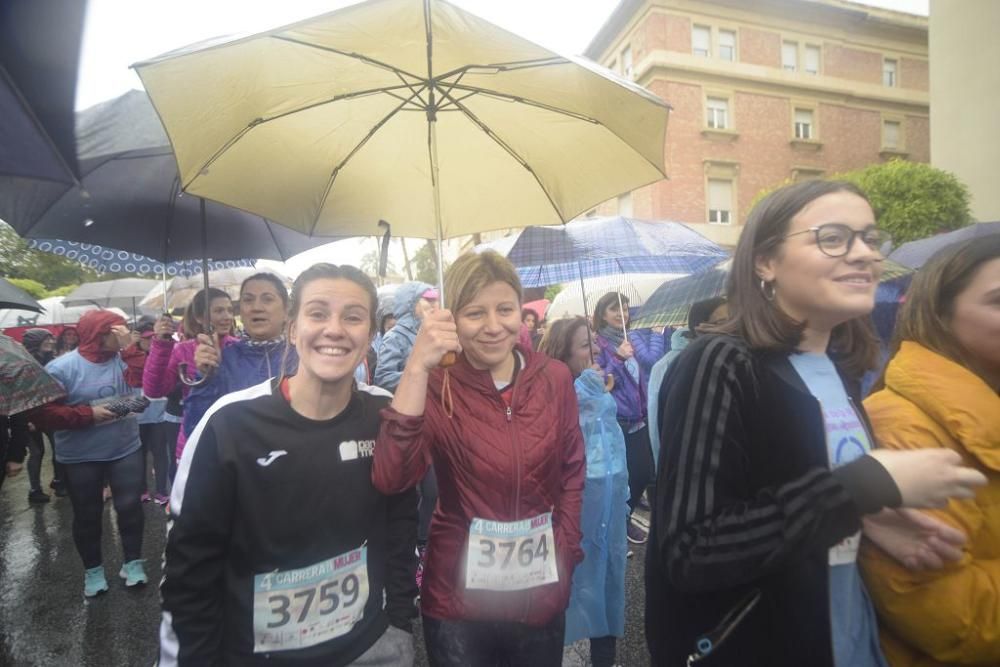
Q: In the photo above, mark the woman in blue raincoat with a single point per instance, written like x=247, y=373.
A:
x=597, y=602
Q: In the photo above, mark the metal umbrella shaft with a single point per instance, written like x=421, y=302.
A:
x=207, y=313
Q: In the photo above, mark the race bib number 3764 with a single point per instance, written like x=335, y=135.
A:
x=511, y=555
x=295, y=609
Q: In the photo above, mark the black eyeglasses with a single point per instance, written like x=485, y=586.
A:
x=835, y=239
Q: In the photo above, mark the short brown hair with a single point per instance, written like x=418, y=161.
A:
x=558, y=339
x=753, y=317
x=925, y=316
x=472, y=272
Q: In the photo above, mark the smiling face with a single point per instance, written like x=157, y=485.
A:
x=613, y=315
x=262, y=310
x=582, y=350
x=332, y=330
x=813, y=287
x=489, y=325
x=976, y=318
x=221, y=312
x=531, y=321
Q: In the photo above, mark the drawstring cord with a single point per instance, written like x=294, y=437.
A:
x=447, y=403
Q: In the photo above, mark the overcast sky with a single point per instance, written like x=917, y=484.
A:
x=121, y=32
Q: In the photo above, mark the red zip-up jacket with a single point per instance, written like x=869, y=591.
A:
x=492, y=462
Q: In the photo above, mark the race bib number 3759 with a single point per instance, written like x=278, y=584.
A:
x=295, y=609
x=511, y=555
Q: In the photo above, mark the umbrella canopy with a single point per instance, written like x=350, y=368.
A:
x=25, y=383
x=604, y=246
x=539, y=306
x=412, y=111
x=669, y=305
x=636, y=286
x=109, y=260
x=123, y=293
x=131, y=199
x=180, y=290
x=39, y=54
x=15, y=298
x=916, y=253
x=55, y=313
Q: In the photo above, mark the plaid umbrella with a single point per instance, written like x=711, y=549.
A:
x=669, y=305
x=605, y=246
x=26, y=384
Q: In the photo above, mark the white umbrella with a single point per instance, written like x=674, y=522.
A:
x=55, y=313
x=636, y=286
x=181, y=290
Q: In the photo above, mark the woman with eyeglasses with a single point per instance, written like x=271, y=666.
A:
x=768, y=465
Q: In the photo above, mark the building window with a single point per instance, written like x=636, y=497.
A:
x=889, y=73
x=717, y=113
x=627, y=62
x=804, y=124
x=720, y=201
x=701, y=39
x=789, y=56
x=811, y=64
x=625, y=205
x=727, y=45
x=891, y=133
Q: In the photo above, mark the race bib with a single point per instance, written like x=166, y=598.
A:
x=511, y=556
x=295, y=609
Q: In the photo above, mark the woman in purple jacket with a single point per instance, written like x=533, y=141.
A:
x=628, y=361
x=159, y=378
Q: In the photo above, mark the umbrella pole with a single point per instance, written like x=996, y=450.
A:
x=621, y=309
x=435, y=174
x=207, y=322
x=164, y=276
x=583, y=293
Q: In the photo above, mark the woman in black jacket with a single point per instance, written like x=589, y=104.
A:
x=767, y=468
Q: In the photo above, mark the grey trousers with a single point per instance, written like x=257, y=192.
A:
x=394, y=647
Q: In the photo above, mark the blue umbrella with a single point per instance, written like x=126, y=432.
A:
x=597, y=247
x=109, y=260
x=916, y=253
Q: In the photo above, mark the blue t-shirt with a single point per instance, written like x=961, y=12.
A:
x=852, y=618
x=93, y=384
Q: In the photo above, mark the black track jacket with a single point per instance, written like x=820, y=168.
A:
x=263, y=489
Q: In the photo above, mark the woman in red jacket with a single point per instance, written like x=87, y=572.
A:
x=501, y=428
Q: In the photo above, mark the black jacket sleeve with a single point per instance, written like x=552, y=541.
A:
x=401, y=563
x=20, y=437
x=193, y=586
x=713, y=531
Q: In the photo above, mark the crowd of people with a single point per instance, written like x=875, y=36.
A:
x=340, y=464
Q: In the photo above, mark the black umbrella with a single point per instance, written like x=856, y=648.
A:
x=39, y=53
x=15, y=298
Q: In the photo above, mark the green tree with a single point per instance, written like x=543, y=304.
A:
x=424, y=263
x=62, y=291
x=32, y=287
x=911, y=200
x=552, y=290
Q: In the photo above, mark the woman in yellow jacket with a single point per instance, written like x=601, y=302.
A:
x=941, y=390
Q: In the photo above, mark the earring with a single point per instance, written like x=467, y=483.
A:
x=763, y=289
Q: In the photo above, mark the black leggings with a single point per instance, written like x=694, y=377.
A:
x=428, y=500
x=36, y=452
x=154, y=441
x=493, y=644
x=603, y=651
x=86, y=487
x=639, y=459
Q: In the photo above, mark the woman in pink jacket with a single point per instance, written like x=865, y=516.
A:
x=160, y=377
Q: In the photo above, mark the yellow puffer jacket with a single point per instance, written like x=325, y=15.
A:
x=949, y=616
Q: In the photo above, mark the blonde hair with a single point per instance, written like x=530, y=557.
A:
x=472, y=272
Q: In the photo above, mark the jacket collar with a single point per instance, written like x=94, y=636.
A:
x=953, y=396
x=482, y=380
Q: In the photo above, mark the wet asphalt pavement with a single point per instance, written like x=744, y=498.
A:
x=45, y=620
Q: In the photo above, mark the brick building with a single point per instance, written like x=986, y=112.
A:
x=763, y=91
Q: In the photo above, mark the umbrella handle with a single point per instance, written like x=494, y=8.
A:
x=182, y=375
x=449, y=359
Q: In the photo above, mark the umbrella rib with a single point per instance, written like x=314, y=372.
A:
x=496, y=138
x=336, y=170
x=415, y=91
x=522, y=100
x=260, y=121
x=508, y=66
x=350, y=54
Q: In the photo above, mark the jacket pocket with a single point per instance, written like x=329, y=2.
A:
x=709, y=642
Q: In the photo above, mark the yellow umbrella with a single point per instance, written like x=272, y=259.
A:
x=412, y=111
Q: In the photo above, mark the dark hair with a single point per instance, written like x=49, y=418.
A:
x=558, y=339
x=271, y=278
x=602, y=305
x=701, y=312
x=144, y=324
x=530, y=311
x=925, y=316
x=756, y=319
x=195, y=311
x=61, y=339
